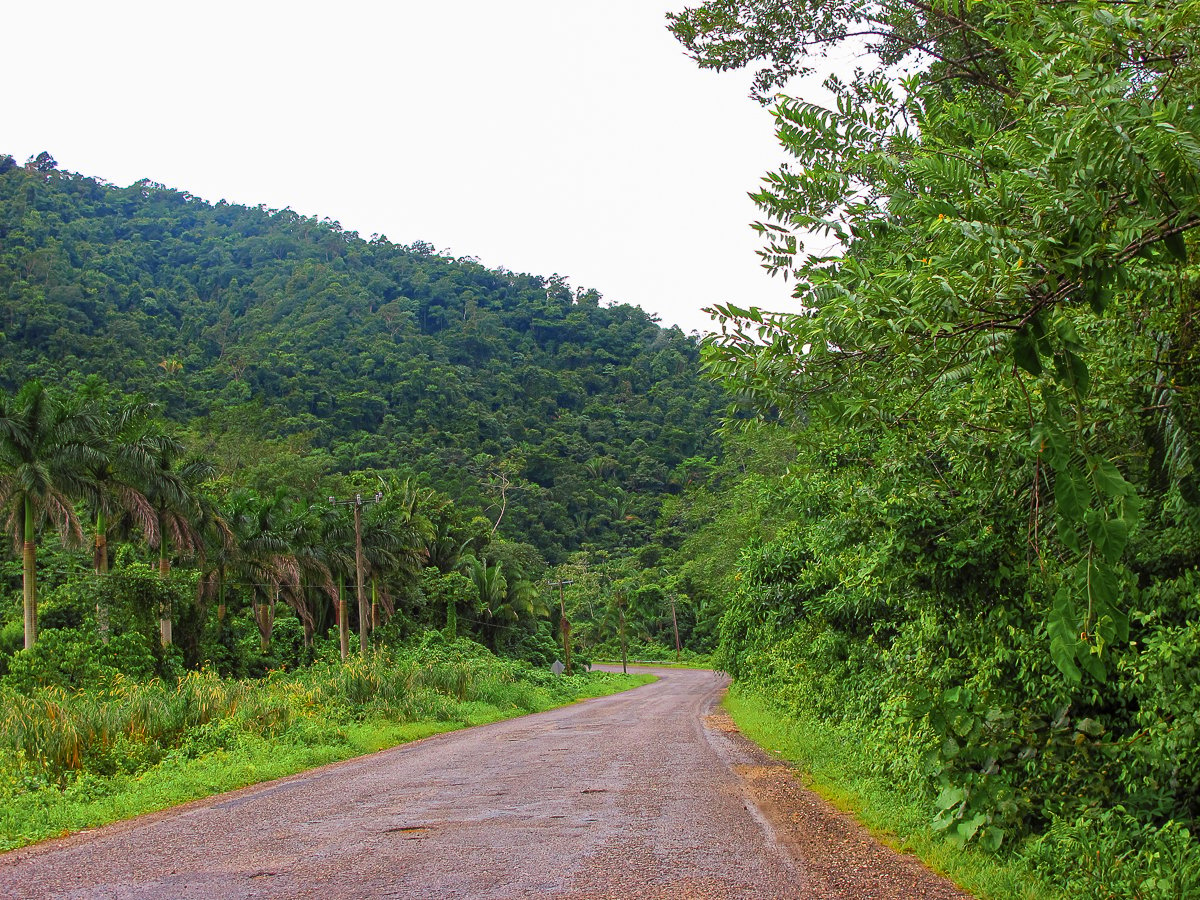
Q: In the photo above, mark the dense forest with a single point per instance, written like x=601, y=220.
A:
x=945, y=509
x=269, y=336
x=192, y=385
x=975, y=550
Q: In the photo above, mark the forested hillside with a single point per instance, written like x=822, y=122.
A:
x=970, y=536
x=243, y=440
x=289, y=348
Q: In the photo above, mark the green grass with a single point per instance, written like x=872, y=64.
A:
x=658, y=664
x=841, y=765
x=36, y=805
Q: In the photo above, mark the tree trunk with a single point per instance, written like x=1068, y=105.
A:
x=363, y=612
x=343, y=620
x=264, y=618
x=675, y=622
x=29, y=555
x=29, y=584
x=566, y=628
x=451, y=619
x=100, y=562
x=164, y=611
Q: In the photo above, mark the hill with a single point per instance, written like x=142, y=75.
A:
x=291, y=348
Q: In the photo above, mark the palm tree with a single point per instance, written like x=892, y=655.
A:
x=502, y=602
x=395, y=539
x=492, y=591
x=180, y=509
x=126, y=444
x=47, y=452
x=313, y=563
x=335, y=535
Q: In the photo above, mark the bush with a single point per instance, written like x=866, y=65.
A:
x=76, y=659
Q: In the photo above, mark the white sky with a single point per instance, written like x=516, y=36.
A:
x=545, y=136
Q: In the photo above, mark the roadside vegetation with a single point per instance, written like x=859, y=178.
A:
x=847, y=766
x=957, y=535
x=77, y=758
x=947, y=544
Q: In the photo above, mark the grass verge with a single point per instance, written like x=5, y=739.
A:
x=840, y=764
x=223, y=755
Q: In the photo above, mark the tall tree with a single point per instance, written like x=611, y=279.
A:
x=1008, y=228
x=126, y=440
x=173, y=487
x=47, y=455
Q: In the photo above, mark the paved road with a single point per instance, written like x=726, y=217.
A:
x=647, y=794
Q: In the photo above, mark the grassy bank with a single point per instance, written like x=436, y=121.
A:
x=75, y=760
x=843, y=765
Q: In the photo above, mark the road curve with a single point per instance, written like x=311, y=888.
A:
x=647, y=794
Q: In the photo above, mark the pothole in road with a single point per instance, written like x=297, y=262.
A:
x=407, y=831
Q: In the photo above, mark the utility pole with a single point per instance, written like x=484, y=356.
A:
x=675, y=622
x=566, y=626
x=621, y=614
x=357, y=502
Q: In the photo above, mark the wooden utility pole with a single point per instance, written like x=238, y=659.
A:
x=624, y=645
x=675, y=622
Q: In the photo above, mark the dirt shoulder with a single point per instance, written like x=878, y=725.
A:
x=841, y=858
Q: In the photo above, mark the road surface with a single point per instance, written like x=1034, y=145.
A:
x=648, y=794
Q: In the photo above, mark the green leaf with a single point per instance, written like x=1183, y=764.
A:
x=1072, y=495
x=991, y=839
x=1068, y=535
x=1094, y=666
x=1109, y=480
x=1077, y=375
x=1025, y=353
x=967, y=827
x=1063, y=628
x=1099, y=584
x=950, y=797
x=1109, y=535
x=1176, y=246
x=1067, y=335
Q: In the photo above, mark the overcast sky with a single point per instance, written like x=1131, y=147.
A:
x=545, y=136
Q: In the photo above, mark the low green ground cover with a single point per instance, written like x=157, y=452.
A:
x=650, y=653
x=850, y=769
x=75, y=759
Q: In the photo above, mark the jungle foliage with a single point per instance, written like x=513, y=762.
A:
x=983, y=554
x=213, y=417
x=289, y=349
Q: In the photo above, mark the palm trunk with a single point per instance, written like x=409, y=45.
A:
x=451, y=619
x=374, y=604
x=29, y=586
x=343, y=620
x=359, y=563
x=100, y=562
x=264, y=617
x=164, y=572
